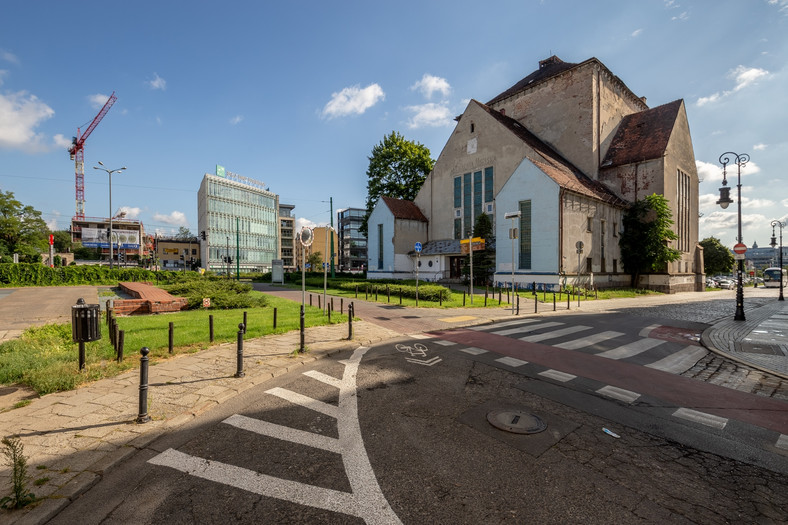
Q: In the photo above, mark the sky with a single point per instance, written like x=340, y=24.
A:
x=296, y=94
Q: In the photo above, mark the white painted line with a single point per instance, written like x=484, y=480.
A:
x=443, y=342
x=557, y=375
x=782, y=442
x=288, y=434
x=473, y=350
x=525, y=329
x=627, y=396
x=257, y=483
x=631, y=349
x=555, y=333
x=434, y=361
x=305, y=401
x=588, y=341
x=511, y=361
x=504, y=324
x=647, y=330
x=701, y=417
x=419, y=336
x=681, y=361
x=324, y=378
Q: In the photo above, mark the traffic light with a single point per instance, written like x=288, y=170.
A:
x=181, y=257
x=202, y=235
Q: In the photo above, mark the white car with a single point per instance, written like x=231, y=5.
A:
x=725, y=284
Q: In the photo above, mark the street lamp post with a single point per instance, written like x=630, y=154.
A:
x=773, y=244
x=109, y=172
x=725, y=199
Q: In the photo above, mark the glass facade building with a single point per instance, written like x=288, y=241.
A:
x=352, y=243
x=240, y=220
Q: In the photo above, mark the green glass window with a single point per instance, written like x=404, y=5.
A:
x=380, y=246
x=457, y=192
x=458, y=228
x=477, y=194
x=488, y=184
x=525, y=235
x=466, y=204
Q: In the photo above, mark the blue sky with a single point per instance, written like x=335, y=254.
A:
x=296, y=94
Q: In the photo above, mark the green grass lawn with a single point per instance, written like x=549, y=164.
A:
x=46, y=359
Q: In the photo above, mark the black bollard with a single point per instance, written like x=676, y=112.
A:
x=210, y=327
x=121, y=339
x=171, y=336
x=142, y=416
x=239, y=371
x=536, y=305
x=350, y=312
x=274, y=318
x=332, y=303
x=341, y=306
x=463, y=297
x=301, y=348
x=81, y=355
x=330, y=308
x=554, y=301
x=518, y=304
x=319, y=305
x=567, y=301
x=245, y=325
x=310, y=299
x=486, y=291
x=388, y=294
x=400, y=295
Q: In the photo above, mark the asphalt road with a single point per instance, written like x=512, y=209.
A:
x=405, y=437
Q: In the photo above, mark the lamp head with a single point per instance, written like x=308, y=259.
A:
x=100, y=163
x=773, y=244
x=725, y=197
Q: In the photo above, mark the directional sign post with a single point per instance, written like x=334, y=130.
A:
x=417, y=247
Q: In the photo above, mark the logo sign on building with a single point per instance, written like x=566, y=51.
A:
x=220, y=171
x=97, y=238
x=478, y=245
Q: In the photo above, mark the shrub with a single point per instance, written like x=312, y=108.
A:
x=224, y=293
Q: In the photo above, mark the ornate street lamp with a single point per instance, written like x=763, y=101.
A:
x=773, y=244
x=725, y=199
x=109, y=172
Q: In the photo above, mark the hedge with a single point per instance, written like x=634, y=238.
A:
x=427, y=292
x=36, y=274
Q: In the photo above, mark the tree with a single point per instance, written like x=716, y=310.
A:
x=397, y=168
x=22, y=230
x=63, y=242
x=184, y=234
x=717, y=259
x=483, y=260
x=315, y=261
x=645, y=241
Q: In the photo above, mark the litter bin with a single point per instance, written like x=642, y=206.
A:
x=85, y=319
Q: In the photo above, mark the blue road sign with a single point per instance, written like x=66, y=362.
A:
x=418, y=247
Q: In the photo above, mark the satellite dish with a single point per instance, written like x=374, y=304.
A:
x=306, y=236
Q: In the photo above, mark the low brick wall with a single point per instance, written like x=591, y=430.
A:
x=150, y=300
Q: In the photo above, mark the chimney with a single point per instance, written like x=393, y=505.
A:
x=550, y=61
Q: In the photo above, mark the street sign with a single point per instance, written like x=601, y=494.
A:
x=306, y=236
x=740, y=248
x=417, y=247
x=478, y=245
x=738, y=256
x=206, y=302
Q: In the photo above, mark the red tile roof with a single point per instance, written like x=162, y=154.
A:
x=402, y=209
x=642, y=136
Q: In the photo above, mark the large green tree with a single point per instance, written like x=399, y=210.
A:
x=647, y=233
x=22, y=230
x=63, y=242
x=483, y=260
x=717, y=259
x=397, y=168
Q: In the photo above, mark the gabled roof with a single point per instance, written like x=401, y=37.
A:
x=547, y=68
x=402, y=209
x=563, y=172
x=642, y=136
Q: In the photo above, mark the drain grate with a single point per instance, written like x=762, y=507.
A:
x=516, y=421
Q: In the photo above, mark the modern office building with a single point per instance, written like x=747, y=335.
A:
x=287, y=234
x=352, y=243
x=177, y=254
x=128, y=237
x=238, y=218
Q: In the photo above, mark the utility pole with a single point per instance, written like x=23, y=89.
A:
x=237, y=250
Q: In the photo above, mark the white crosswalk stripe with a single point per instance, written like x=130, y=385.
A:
x=633, y=348
x=701, y=417
x=525, y=329
x=554, y=334
x=681, y=361
x=473, y=350
x=504, y=324
x=557, y=375
x=627, y=396
x=588, y=341
x=511, y=361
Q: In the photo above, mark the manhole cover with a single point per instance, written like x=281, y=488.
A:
x=516, y=421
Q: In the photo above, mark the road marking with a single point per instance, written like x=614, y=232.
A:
x=473, y=350
x=420, y=336
x=458, y=319
x=504, y=324
x=434, y=361
x=511, y=361
x=443, y=342
x=647, y=330
x=557, y=375
x=417, y=349
x=631, y=349
x=292, y=435
x=531, y=328
x=305, y=401
x=588, y=341
x=701, y=417
x=627, y=396
x=681, y=361
x=782, y=442
x=555, y=333
x=327, y=379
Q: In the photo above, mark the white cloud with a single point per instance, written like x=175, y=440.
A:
x=131, y=213
x=157, y=82
x=760, y=147
x=236, y=120
x=20, y=114
x=98, y=100
x=708, y=171
x=301, y=222
x=755, y=203
x=3, y=72
x=430, y=84
x=61, y=141
x=636, y=33
x=429, y=115
x=682, y=17
x=742, y=76
x=8, y=56
x=784, y=202
x=353, y=101
x=708, y=200
x=176, y=218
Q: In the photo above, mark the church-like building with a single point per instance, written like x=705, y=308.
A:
x=558, y=157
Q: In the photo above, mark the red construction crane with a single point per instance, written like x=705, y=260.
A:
x=77, y=153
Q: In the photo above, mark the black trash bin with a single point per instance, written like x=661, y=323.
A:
x=85, y=326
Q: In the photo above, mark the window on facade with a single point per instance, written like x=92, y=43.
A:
x=615, y=265
x=458, y=228
x=589, y=262
x=589, y=224
x=682, y=210
x=615, y=229
x=602, y=235
x=457, y=192
x=471, y=191
x=477, y=196
x=525, y=235
x=380, y=246
x=488, y=184
x=467, y=190
x=473, y=127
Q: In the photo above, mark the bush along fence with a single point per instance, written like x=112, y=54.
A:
x=33, y=274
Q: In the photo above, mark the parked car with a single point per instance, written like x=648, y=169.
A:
x=725, y=284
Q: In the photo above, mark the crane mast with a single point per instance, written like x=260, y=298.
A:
x=77, y=153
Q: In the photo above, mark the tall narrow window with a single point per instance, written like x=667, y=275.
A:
x=457, y=192
x=488, y=184
x=525, y=235
x=467, y=190
x=380, y=246
x=477, y=196
x=602, y=235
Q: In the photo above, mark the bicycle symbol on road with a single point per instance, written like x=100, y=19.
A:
x=417, y=350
